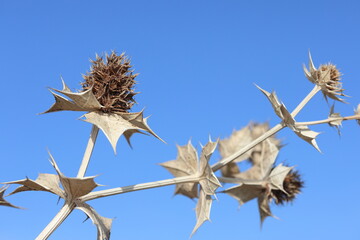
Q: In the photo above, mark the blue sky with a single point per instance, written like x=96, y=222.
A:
x=198, y=62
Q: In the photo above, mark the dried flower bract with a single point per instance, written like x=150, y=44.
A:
x=112, y=82
x=327, y=77
x=292, y=185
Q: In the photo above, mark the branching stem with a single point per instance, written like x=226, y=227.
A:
x=328, y=120
x=69, y=207
x=137, y=187
x=267, y=134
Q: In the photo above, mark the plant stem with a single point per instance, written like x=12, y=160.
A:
x=56, y=221
x=137, y=187
x=267, y=134
x=239, y=180
x=88, y=151
x=301, y=105
x=328, y=120
x=69, y=207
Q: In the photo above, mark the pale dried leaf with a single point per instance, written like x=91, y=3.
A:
x=264, y=163
x=112, y=125
x=309, y=136
x=141, y=123
x=311, y=73
x=184, y=165
x=236, y=141
x=228, y=146
x=273, y=100
x=102, y=224
x=245, y=192
x=264, y=208
x=3, y=202
x=210, y=183
x=85, y=99
x=336, y=122
x=44, y=182
x=187, y=164
x=203, y=208
x=63, y=104
x=74, y=187
x=278, y=175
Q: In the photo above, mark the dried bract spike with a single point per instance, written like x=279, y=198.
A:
x=327, y=77
x=102, y=224
x=336, y=119
x=112, y=81
x=3, y=202
x=292, y=186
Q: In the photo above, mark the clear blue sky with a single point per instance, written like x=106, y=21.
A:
x=198, y=62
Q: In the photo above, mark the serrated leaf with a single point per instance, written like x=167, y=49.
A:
x=63, y=104
x=272, y=97
x=83, y=101
x=184, y=165
x=337, y=121
x=264, y=208
x=309, y=136
x=203, y=208
x=3, y=202
x=261, y=189
x=114, y=125
x=74, y=187
x=102, y=224
x=278, y=175
x=210, y=183
x=187, y=164
x=302, y=131
x=244, y=192
x=264, y=162
x=44, y=182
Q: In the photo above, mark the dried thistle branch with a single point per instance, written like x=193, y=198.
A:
x=108, y=95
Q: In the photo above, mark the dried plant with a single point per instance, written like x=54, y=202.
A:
x=107, y=95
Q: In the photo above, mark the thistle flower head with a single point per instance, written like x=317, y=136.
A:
x=112, y=81
x=328, y=77
x=292, y=185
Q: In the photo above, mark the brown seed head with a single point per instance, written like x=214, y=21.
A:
x=112, y=81
x=292, y=185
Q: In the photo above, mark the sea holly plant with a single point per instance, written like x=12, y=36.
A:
x=107, y=96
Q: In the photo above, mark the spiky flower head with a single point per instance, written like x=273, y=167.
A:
x=292, y=185
x=328, y=77
x=112, y=82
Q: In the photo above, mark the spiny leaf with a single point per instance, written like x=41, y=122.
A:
x=302, y=131
x=102, y=224
x=3, y=202
x=336, y=121
x=203, y=208
x=184, y=165
x=116, y=124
